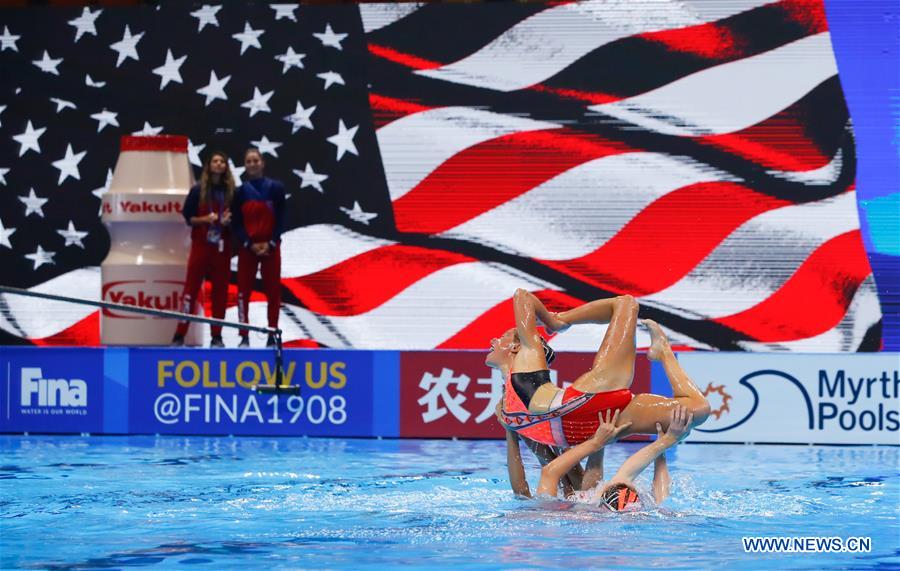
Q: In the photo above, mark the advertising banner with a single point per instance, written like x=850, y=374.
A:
x=446, y=394
x=211, y=392
x=825, y=399
x=52, y=390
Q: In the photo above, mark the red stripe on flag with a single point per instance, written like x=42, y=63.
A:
x=408, y=60
x=814, y=300
x=388, y=109
x=780, y=142
x=366, y=281
x=491, y=173
x=668, y=238
x=496, y=320
x=85, y=333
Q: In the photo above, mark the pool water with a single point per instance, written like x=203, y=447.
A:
x=280, y=503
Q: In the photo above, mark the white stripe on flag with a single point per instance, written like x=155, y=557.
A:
x=732, y=96
x=863, y=313
x=755, y=260
x=579, y=210
x=39, y=318
x=413, y=146
x=545, y=44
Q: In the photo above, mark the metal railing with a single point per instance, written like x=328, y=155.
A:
x=275, y=332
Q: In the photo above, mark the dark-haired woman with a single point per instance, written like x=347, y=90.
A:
x=207, y=210
x=258, y=223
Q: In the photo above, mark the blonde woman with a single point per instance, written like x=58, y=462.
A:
x=207, y=210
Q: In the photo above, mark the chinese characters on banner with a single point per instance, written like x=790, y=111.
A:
x=453, y=394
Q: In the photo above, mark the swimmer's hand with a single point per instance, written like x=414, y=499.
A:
x=680, y=420
x=554, y=324
x=608, y=431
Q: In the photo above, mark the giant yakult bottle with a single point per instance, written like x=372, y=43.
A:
x=149, y=240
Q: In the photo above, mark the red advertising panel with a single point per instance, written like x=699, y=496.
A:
x=453, y=394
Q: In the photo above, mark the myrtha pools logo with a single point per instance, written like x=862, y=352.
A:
x=52, y=396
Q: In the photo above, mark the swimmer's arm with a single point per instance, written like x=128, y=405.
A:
x=555, y=470
x=661, y=479
x=606, y=433
x=638, y=461
x=679, y=423
x=515, y=467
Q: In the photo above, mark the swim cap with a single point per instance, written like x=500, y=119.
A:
x=617, y=497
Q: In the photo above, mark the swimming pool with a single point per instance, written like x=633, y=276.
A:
x=279, y=503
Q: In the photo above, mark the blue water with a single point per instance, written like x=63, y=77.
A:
x=217, y=503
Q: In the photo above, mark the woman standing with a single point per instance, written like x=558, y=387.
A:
x=207, y=209
x=258, y=222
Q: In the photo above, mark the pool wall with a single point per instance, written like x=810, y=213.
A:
x=763, y=398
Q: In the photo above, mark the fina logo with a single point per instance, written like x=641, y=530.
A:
x=735, y=412
x=52, y=392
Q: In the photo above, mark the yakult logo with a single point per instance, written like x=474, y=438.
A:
x=142, y=207
x=52, y=392
x=158, y=294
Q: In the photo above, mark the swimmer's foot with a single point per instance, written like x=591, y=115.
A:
x=659, y=343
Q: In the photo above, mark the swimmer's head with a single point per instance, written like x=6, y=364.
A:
x=506, y=346
x=618, y=496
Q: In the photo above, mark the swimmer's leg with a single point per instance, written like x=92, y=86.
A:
x=613, y=366
x=683, y=388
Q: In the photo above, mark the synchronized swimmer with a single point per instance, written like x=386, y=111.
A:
x=599, y=406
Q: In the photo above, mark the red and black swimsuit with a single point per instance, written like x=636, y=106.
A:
x=573, y=416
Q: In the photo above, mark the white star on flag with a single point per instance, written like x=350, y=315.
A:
x=290, y=59
x=127, y=46
x=194, y=153
x=169, y=71
x=310, y=178
x=266, y=146
x=41, y=257
x=105, y=118
x=148, y=130
x=260, y=102
x=33, y=204
x=73, y=237
x=248, y=38
x=62, y=104
x=68, y=165
x=206, y=15
x=301, y=118
x=3, y=176
x=329, y=38
x=8, y=41
x=343, y=140
x=215, y=89
x=284, y=11
x=5, y=233
x=29, y=139
x=331, y=78
x=236, y=171
x=89, y=81
x=99, y=192
x=47, y=64
x=84, y=24
x=357, y=214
